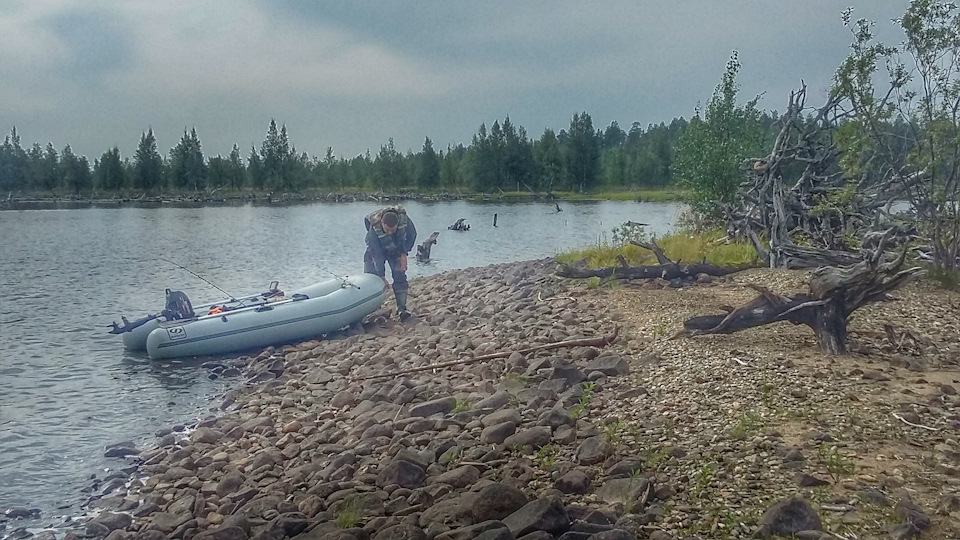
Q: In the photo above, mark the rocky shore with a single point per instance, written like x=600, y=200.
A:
x=602, y=428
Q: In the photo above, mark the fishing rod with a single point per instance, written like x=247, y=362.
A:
x=343, y=280
x=198, y=276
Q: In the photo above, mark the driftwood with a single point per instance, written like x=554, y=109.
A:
x=602, y=341
x=423, y=250
x=666, y=269
x=835, y=293
x=460, y=225
x=797, y=199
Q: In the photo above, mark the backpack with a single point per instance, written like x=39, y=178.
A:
x=178, y=306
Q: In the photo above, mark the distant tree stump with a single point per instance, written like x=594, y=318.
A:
x=460, y=225
x=423, y=250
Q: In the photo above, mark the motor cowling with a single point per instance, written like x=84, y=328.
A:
x=178, y=306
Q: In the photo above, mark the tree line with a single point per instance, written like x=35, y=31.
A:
x=501, y=157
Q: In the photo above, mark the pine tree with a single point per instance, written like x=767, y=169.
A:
x=148, y=165
x=428, y=171
x=108, y=171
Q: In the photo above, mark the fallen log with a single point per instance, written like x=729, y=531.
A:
x=423, y=250
x=666, y=269
x=835, y=293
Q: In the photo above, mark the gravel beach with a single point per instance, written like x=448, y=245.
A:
x=568, y=410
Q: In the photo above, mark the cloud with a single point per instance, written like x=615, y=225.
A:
x=202, y=49
x=352, y=74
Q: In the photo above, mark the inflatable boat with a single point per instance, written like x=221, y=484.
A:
x=268, y=318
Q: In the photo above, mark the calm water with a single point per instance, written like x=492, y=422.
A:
x=67, y=388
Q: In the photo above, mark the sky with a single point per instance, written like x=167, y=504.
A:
x=351, y=75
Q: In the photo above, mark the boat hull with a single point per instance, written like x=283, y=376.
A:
x=136, y=339
x=272, y=323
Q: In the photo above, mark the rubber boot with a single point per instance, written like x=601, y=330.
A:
x=401, y=297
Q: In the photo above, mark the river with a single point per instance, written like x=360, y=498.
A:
x=67, y=387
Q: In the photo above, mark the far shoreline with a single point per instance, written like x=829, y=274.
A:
x=186, y=200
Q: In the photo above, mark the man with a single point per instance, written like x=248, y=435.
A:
x=390, y=237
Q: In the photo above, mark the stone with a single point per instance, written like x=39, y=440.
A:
x=788, y=517
x=609, y=365
x=496, y=501
x=223, y=533
x=460, y=477
x=807, y=480
x=909, y=512
x=230, y=483
x=500, y=416
x=472, y=532
x=574, y=482
x=494, y=401
x=498, y=433
x=402, y=531
x=623, y=491
x=539, y=515
x=593, y=450
x=429, y=408
x=402, y=473
x=534, y=438
x=449, y=514
x=612, y=534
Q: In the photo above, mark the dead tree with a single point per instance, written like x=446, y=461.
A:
x=798, y=198
x=835, y=293
x=423, y=250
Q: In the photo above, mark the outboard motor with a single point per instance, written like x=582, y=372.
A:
x=178, y=306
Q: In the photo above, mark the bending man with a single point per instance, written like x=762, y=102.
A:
x=390, y=237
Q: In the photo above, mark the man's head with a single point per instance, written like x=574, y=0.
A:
x=389, y=220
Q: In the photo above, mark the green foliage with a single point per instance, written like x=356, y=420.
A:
x=583, y=153
x=709, y=152
x=653, y=459
x=583, y=404
x=351, y=513
x=148, y=165
x=546, y=456
x=187, y=168
x=702, y=479
x=613, y=434
x=629, y=232
x=709, y=246
x=906, y=126
x=428, y=167
x=948, y=279
x=748, y=423
x=460, y=406
x=837, y=464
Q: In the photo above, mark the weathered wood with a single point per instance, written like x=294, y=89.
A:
x=808, y=212
x=667, y=269
x=423, y=250
x=664, y=271
x=460, y=225
x=835, y=293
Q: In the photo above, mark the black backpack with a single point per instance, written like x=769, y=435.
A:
x=178, y=306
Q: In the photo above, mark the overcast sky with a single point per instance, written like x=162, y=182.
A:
x=350, y=75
